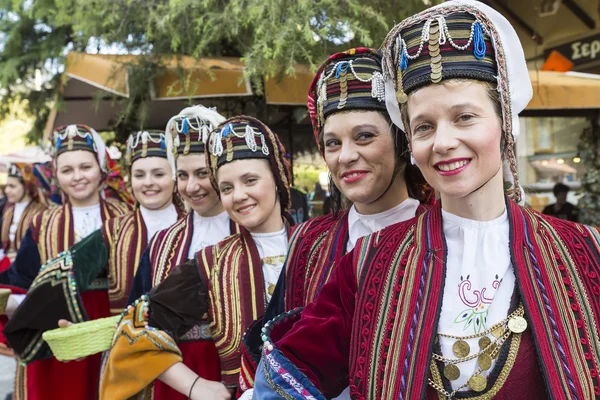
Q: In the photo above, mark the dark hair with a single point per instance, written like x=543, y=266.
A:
x=560, y=188
x=416, y=184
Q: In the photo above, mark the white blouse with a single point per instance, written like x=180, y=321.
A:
x=157, y=220
x=360, y=225
x=86, y=220
x=208, y=231
x=14, y=225
x=272, y=249
x=479, y=284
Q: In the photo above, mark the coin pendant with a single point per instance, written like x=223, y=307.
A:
x=434, y=52
x=484, y=361
x=461, y=348
x=451, y=372
x=434, y=29
x=478, y=382
x=517, y=324
x=484, y=342
x=499, y=331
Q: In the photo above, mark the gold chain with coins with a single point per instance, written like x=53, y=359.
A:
x=489, y=350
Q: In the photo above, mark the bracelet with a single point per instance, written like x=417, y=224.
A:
x=192, y=387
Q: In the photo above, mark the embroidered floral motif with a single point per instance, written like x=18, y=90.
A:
x=475, y=316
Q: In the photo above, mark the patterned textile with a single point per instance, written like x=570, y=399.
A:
x=32, y=209
x=75, y=137
x=148, y=353
x=126, y=240
x=236, y=291
x=351, y=80
x=400, y=272
x=53, y=230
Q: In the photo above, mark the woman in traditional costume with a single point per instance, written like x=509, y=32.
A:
x=227, y=282
x=79, y=163
x=25, y=200
x=476, y=298
x=206, y=225
x=113, y=251
x=369, y=162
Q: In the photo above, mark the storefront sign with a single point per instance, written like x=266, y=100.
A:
x=580, y=52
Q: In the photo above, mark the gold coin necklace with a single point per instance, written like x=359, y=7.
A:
x=515, y=323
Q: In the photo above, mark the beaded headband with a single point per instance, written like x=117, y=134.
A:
x=79, y=137
x=150, y=144
x=244, y=138
x=445, y=47
x=460, y=39
x=350, y=80
x=191, y=128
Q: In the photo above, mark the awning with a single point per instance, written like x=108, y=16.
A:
x=93, y=77
x=564, y=91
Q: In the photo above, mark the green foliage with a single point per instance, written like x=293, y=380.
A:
x=270, y=35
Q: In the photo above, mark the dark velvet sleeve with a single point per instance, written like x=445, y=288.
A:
x=319, y=343
x=142, y=282
x=180, y=302
x=26, y=265
x=56, y=294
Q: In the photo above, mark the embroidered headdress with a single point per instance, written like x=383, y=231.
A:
x=24, y=173
x=191, y=127
x=460, y=39
x=243, y=138
x=351, y=80
x=79, y=137
x=150, y=144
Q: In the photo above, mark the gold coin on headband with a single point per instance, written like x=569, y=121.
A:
x=461, y=348
x=517, y=324
x=484, y=361
x=434, y=52
x=478, y=382
x=436, y=77
x=436, y=59
x=451, y=372
x=434, y=29
x=484, y=342
x=435, y=68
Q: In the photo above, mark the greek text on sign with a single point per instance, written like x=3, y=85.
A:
x=581, y=51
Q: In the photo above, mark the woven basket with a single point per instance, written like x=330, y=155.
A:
x=4, y=295
x=81, y=340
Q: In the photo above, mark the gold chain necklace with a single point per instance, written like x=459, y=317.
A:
x=515, y=323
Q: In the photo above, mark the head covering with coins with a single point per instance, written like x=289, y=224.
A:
x=460, y=39
x=243, y=138
x=350, y=80
x=150, y=144
x=79, y=137
x=191, y=127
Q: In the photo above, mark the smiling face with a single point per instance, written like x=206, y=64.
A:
x=455, y=136
x=360, y=153
x=152, y=182
x=79, y=176
x=194, y=185
x=249, y=195
x=15, y=190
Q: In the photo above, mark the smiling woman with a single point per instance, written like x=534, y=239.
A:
x=79, y=162
x=477, y=297
x=230, y=281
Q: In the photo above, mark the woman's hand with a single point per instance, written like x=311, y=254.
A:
x=63, y=323
x=212, y=390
